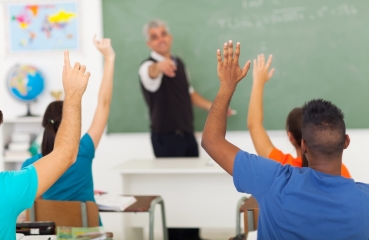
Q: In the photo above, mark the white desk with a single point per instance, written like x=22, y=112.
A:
x=196, y=192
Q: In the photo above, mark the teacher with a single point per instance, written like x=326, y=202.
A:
x=169, y=95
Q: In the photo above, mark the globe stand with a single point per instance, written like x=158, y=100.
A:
x=29, y=114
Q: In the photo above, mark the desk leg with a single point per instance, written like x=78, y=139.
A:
x=165, y=229
x=238, y=215
x=153, y=204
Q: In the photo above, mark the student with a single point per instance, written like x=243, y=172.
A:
x=294, y=203
x=263, y=145
x=19, y=189
x=76, y=184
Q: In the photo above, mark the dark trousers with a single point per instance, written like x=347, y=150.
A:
x=177, y=144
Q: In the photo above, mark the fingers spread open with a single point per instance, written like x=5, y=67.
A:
x=271, y=72
x=219, y=57
x=230, y=51
x=237, y=53
x=66, y=59
x=259, y=61
x=225, y=53
x=246, y=68
x=262, y=60
x=269, y=62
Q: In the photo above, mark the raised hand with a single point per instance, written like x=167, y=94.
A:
x=167, y=67
x=261, y=73
x=104, y=46
x=74, y=79
x=229, y=71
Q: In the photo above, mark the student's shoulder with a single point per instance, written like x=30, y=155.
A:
x=364, y=187
x=86, y=146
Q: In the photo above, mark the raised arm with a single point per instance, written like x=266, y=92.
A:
x=53, y=165
x=261, y=75
x=105, y=93
x=213, y=138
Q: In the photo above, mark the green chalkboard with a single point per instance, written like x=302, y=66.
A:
x=320, y=48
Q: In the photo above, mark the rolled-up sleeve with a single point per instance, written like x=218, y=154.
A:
x=150, y=84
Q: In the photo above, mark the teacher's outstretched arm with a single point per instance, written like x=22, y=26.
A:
x=213, y=138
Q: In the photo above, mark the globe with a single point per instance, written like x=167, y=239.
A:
x=25, y=83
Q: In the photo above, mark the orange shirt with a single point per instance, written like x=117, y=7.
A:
x=282, y=158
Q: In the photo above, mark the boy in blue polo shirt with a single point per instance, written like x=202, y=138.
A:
x=18, y=189
x=295, y=203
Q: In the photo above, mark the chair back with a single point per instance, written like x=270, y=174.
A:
x=66, y=213
x=251, y=216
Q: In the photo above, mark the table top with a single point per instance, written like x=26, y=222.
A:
x=171, y=166
x=142, y=204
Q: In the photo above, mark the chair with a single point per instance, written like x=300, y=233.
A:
x=66, y=213
x=251, y=219
x=148, y=204
x=250, y=208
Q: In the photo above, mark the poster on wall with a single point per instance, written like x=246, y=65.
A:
x=43, y=26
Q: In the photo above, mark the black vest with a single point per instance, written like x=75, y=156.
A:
x=170, y=106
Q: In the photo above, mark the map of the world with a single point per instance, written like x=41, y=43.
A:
x=51, y=26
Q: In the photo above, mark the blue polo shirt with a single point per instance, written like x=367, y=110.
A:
x=76, y=184
x=17, y=192
x=301, y=203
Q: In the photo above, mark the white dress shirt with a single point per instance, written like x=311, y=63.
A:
x=153, y=84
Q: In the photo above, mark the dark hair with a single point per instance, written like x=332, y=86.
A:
x=1, y=117
x=323, y=128
x=293, y=125
x=51, y=122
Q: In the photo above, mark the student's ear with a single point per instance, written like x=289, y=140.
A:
x=303, y=147
x=347, y=141
x=291, y=138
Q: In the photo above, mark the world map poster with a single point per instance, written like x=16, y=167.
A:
x=42, y=27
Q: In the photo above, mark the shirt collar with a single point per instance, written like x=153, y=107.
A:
x=156, y=56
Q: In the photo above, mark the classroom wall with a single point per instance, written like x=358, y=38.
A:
x=51, y=64
x=117, y=148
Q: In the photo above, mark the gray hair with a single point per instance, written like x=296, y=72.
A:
x=154, y=24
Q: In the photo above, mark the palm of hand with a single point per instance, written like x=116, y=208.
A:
x=261, y=73
x=229, y=71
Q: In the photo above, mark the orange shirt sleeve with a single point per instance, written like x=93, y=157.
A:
x=282, y=158
x=344, y=171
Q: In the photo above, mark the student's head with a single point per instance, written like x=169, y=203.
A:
x=1, y=117
x=51, y=122
x=323, y=130
x=158, y=37
x=293, y=127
